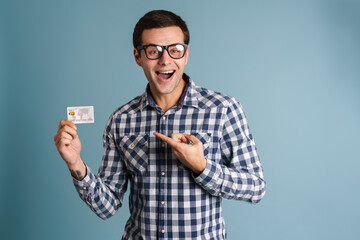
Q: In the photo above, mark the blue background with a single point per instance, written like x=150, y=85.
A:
x=294, y=66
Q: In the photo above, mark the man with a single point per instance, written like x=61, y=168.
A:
x=182, y=147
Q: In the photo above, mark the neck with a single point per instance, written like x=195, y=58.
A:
x=167, y=101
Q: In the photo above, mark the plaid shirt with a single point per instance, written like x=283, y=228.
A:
x=167, y=201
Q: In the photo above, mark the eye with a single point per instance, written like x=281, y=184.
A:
x=174, y=51
x=153, y=51
x=177, y=49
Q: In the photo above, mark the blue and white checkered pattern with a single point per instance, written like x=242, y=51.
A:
x=167, y=201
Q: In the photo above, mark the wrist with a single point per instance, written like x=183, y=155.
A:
x=202, y=168
x=75, y=164
x=77, y=170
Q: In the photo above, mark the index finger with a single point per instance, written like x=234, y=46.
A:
x=67, y=123
x=166, y=139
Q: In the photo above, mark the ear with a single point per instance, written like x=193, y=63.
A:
x=137, y=56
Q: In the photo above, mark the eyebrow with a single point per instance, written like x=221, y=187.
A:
x=161, y=45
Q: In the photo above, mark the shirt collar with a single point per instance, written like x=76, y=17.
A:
x=188, y=96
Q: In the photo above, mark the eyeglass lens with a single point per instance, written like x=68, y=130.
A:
x=175, y=51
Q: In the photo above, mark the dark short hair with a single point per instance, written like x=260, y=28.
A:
x=159, y=19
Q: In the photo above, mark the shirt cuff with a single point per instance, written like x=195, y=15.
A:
x=210, y=178
x=85, y=186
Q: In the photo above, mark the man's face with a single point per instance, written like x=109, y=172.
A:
x=164, y=74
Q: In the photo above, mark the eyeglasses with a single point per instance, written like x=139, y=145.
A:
x=153, y=52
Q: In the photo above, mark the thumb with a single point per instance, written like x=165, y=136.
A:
x=192, y=138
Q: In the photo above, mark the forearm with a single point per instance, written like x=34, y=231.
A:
x=232, y=183
x=103, y=198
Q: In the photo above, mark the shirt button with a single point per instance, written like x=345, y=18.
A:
x=219, y=194
x=162, y=202
x=163, y=145
x=162, y=231
x=84, y=188
x=132, y=145
x=162, y=173
x=163, y=117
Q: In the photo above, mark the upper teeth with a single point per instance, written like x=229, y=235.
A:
x=168, y=72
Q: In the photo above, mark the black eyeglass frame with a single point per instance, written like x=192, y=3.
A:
x=162, y=52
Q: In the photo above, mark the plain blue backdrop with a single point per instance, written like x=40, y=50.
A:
x=294, y=66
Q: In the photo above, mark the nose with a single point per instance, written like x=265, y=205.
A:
x=165, y=58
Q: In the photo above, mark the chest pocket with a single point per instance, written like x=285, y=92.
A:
x=135, y=151
x=205, y=138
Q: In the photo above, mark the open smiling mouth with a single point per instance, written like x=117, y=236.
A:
x=165, y=74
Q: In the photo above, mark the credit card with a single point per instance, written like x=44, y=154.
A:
x=81, y=114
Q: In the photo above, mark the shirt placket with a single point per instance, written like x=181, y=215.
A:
x=162, y=177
